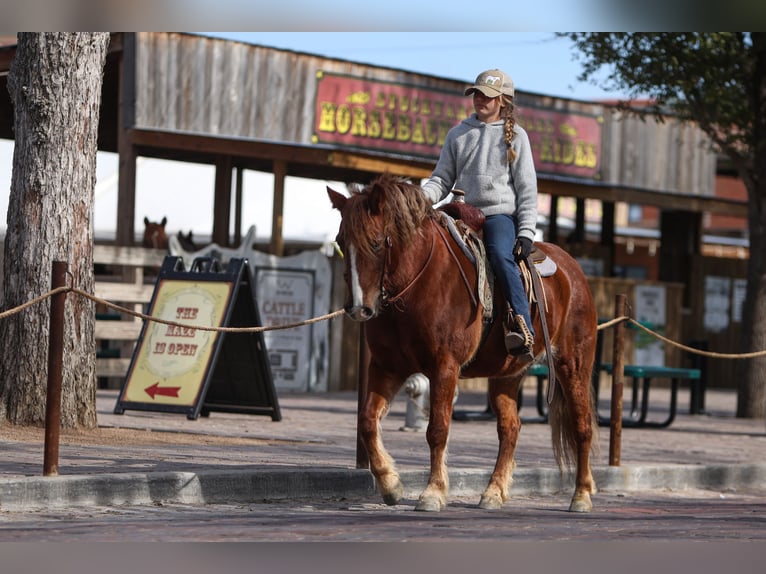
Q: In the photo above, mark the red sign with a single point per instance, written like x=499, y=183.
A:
x=370, y=114
x=563, y=142
x=366, y=113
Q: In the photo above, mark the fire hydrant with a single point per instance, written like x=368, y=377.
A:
x=418, y=402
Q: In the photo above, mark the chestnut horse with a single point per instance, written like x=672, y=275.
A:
x=415, y=289
x=155, y=236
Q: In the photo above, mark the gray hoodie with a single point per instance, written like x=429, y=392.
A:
x=474, y=159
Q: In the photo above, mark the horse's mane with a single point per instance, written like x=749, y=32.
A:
x=402, y=205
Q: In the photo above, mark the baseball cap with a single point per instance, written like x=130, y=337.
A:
x=492, y=83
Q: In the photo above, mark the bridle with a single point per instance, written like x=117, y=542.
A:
x=387, y=299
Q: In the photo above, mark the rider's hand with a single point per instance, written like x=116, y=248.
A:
x=522, y=249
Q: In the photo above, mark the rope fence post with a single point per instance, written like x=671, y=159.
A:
x=55, y=366
x=618, y=379
x=362, y=458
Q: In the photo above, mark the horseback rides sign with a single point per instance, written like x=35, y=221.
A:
x=183, y=364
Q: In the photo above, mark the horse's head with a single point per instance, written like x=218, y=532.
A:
x=154, y=234
x=377, y=223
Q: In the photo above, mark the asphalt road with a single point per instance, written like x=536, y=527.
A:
x=680, y=516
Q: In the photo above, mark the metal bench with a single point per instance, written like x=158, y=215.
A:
x=642, y=376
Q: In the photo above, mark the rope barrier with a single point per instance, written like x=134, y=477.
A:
x=332, y=315
x=116, y=307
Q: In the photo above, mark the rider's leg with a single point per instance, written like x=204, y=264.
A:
x=499, y=239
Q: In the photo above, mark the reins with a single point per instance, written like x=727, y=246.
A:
x=460, y=267
x=386, y=298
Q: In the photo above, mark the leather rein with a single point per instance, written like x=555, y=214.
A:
x=388, y=299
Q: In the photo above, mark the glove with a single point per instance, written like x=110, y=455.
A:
x=522, y=248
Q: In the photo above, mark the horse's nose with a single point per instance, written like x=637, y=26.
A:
x=359, y=313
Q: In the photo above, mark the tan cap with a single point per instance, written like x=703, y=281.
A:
x=492, y=83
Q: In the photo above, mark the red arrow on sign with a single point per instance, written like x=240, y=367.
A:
x=156, y=389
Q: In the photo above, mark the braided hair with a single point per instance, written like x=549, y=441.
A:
x=509, y=114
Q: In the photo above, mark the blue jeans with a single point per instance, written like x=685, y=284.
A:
x=499, y=239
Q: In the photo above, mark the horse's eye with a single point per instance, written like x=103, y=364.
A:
x=376, y=246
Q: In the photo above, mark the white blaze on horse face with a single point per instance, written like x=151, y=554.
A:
x=357, y=294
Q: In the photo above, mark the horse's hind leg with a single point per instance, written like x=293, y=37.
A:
x=574, y=429
x=381, y=464
x=503, y=396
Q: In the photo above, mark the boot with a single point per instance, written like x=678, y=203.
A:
x=519, y=340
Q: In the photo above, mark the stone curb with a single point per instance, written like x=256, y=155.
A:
x=218, y=487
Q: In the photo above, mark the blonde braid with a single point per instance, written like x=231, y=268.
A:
x=510, y=122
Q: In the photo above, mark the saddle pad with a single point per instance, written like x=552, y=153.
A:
x=546, y=267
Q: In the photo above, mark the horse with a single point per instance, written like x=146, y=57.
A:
x=155, y=236
x=415, y=291
x=187, y=241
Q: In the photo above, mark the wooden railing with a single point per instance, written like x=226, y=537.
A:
x=124, y=276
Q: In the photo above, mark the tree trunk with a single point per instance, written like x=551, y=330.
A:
x=751, y=396
x=55, y=84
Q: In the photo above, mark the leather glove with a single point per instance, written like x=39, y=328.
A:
x=522, y=248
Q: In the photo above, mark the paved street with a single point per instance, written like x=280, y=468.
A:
x=688, y=515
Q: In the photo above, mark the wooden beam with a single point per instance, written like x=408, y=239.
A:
x=126, y=183
x=222, y=201
x=292, y=153
x=377, y=165
x=663, y=200
x=277, y=246
x=238, y=209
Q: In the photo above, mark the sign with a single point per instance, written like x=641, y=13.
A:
x=717, y=301
x=286, y=297
x=365, y=113
x=650, y=305
x=178, y=367
x=372, y=114
x=564, y=143
x=289, y=290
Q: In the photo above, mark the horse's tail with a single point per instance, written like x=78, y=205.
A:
x=564, y=429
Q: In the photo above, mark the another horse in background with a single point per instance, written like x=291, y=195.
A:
x=415, y=288
x=155, y=236
x=187, y=241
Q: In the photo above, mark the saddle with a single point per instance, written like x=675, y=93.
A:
x=465, y=220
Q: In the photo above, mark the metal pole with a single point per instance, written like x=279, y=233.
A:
x=618, y=378
x=55, y=365
x=362, y=459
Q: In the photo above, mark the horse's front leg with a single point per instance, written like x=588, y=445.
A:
x=376, y=407
x=503, y=395
x=434, y=497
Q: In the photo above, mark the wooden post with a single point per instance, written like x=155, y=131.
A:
x=55, y=365
x=618, y=377
x=277, y=246
x=362, y=459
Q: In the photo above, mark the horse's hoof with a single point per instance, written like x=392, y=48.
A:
x=393, y=497
x=582, y=504
x=429, y=504
x=490, y=502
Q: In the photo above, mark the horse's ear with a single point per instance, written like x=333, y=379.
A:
x=337, y=200
x=377, y=198
x=146, y=220
x=164, y=221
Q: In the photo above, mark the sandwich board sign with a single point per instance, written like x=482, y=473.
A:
x=178, y=368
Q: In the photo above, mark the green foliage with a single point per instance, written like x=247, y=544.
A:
x=717, y=80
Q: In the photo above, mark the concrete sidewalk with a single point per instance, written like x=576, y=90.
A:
x=311, y=453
